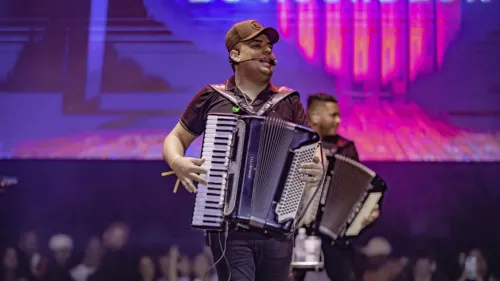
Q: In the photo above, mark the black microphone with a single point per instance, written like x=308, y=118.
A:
x=272, y=62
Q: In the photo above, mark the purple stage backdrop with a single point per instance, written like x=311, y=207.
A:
x=108, y=79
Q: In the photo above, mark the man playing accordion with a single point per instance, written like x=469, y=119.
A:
x=248, y=255
x=324, y=117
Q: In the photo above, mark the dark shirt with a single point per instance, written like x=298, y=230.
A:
x=339, y=145
x=208, y=101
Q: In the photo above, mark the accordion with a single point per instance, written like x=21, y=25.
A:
x=350, y=192
x=252, y=165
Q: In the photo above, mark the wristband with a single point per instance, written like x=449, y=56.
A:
x=173, y=161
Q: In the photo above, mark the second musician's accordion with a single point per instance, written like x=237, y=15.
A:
x=252, y=165
x=350, y=191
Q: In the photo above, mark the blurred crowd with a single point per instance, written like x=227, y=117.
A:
x=105, y=258
x=108, y=258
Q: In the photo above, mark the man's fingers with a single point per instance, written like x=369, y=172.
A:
x=198, y=161
x=374, y=215
x=188, y=184
x=197, y=170
x=312, y=185
x=316, y=159
x=184, y=183
x=307, y=179
x=197, y=178
x=310, y=172
x=309, y=166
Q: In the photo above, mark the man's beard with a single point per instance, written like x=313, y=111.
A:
x=327, y=131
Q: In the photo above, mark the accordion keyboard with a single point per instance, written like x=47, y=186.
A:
x=209, y=204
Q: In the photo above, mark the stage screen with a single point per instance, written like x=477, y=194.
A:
x=109, y=79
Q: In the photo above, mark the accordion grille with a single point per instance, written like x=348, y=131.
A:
x=349, y=184
x=294, y=186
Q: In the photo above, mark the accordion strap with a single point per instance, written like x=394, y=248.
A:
x=283, y=92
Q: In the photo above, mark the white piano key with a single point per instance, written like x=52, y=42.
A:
x=213, y=206
x=205, y=197
x=211, y=186
x=208, y=212
x=209, y=199
x=221, y=117
x=222, y=120
x=221, y=155
x=212, y=198
x=203, y=192
x=217, y=180
x=216, y=147
x=219, y=133
x=215, y=166
x=206, y=221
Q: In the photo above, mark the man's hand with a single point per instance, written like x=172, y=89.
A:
x=312, y=172
x=374, y=214
x=187, y=170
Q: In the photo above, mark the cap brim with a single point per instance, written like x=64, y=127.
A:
x=271, y=33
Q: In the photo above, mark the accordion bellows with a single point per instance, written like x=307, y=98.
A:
x=350, y=191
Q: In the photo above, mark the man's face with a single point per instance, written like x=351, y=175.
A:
x=200, y=265
x=259, y=47
x=116, y=237
x=29, y=242
x=423, y=268
x=327, y=119
x=10, y=258
x=62, y=255
x=482, y=265
x=94, y=251
x=164, y=263
x=146, y=267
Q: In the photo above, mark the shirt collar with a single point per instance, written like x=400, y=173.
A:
x=231, y=86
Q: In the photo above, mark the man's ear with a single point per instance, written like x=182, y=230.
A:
x=234, y=55
x=314, y=117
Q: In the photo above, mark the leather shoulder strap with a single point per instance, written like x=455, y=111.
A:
x=221, y=89
x=283, y=92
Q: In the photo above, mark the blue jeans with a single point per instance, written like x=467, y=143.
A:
x=251, y=256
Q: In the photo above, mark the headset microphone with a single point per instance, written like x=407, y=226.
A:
x=272, y=62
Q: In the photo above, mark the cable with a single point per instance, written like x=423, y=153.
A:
x=223, y=255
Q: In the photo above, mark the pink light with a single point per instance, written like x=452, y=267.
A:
x=333, y=37
x=361, y=41
x=416, y=21
x=283, y=17
x=389, y=41
x=398, y=41
x=306, y=29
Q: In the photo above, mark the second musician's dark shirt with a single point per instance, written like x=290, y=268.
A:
x=339, y=145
